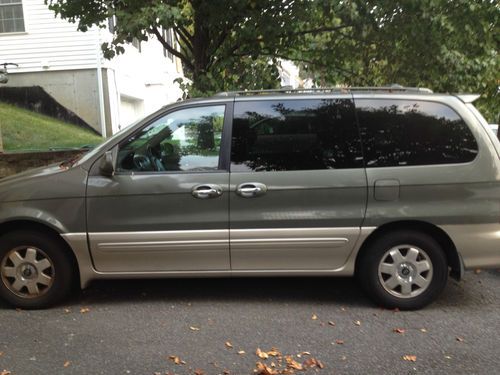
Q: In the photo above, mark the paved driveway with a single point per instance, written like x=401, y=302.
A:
x=143, y=327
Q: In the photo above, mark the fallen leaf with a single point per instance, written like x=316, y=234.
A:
x=67, y=363
x=398, y=330
x=194, y=328
x=314, y=317
x=411, y=358
x=339, y=342
x=460, y=339
x=313, y=362
x=199, y=371
x=5, y=372
x=423, y=330
x=331, y=323
x=477, y=271
x=291, y=363
x=262, y=369
x=176, y=360
x=67, y=311
x=274, y=352
x=84, y=310
x=357, y=322
x=226, y=372
x=303, y=353
x=241, y=352
x=229, y=345
x=447, y=357
x=261, y=354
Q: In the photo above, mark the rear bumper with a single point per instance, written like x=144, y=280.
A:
x=478, y=244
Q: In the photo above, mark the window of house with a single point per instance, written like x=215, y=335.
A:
x=288, y=135
x=408, y=132
x=184, y=140
x=11, y=16
x=168, y=37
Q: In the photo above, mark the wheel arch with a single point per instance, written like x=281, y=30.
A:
x=452, y=255
x=32, y=225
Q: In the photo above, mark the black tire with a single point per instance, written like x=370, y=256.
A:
x=368, y=269
x=61, y=271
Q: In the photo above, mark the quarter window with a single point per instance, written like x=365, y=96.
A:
x=289, y=135
x=185, y=140
x=406, y=132
x=11, y=16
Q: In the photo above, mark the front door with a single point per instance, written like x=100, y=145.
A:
x=166, y=207
x=298, y=186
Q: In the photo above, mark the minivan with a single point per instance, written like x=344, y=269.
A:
x=397, y=186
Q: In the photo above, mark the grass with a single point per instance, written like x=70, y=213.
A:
x=22, y=129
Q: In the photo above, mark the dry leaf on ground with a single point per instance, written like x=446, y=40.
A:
x=5, y=372
x=241, y=352
x=176, y=360
x=262, y=369
x=398, y=330
x=291, y=363
x=331, y=323
x=67, y=363
x=357, y=322
x=313, y=362
x=339, y=342
x=199, y=371
x=194, y=328
x=460, y=339
x=84, y=310
x=303, y=353
x=228, y=344
x=261, y=354
x=314, y=317
x=411, y=358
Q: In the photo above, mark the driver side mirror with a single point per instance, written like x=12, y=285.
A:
x=107, y=166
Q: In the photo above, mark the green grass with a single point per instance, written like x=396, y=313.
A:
x=22, y=129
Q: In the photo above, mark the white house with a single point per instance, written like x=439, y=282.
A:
x=68, y=64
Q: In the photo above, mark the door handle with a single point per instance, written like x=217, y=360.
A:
x=251, y=189
x=206, y=191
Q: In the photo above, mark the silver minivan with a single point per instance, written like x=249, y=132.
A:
x=398, y=186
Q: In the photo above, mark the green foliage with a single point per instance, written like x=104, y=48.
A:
x=447, y=45
x=26, y=130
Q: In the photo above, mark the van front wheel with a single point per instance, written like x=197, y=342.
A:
x=404, y=269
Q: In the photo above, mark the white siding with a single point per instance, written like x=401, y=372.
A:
x=49, y=43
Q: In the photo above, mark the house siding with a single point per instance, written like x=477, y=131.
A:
x=48, y=43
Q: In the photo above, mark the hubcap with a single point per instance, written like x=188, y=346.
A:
x=27, y=272
x=405, y=271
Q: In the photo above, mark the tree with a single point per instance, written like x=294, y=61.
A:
x=448, y=45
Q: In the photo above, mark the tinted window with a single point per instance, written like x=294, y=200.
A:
x=405, y=132
x=291, y=135
x=185, y=140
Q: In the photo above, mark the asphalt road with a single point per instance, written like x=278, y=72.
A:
x=127, y=327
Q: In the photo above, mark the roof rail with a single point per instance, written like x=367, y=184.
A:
x=289, y=90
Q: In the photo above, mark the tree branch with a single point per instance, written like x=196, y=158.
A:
x=172, y=50
x=185, y=38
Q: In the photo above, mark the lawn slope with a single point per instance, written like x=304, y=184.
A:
x=22, y=129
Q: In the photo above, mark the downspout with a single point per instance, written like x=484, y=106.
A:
x=100, y=88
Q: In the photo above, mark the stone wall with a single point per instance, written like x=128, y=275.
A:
x=15, y=162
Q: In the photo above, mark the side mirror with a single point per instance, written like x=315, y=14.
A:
x=107, y=167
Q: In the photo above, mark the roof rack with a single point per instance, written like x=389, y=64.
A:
x=290, y=90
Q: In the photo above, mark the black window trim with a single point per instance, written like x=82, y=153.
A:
x=222, y=167
x=363, y=97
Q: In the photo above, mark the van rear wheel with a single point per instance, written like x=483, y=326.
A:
x=35, y=270
x=403, y=269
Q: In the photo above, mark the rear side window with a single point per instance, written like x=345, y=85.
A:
x=407, y=132
x=288, y=135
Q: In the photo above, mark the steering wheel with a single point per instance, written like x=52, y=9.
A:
x=142, y=162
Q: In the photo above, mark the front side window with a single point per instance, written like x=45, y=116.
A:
x=184, y=140
x=288, y=135
x=408, y=132
x=11, y=16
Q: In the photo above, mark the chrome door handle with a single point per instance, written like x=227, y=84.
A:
x=206, y=191
x=251, y=189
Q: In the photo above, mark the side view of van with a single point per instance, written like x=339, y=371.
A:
x=397, y=186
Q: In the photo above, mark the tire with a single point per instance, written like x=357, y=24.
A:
x=392, y=273
x=36, y=270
